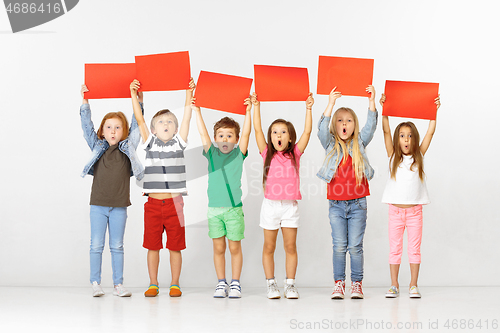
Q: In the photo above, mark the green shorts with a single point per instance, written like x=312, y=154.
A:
x=226, y=221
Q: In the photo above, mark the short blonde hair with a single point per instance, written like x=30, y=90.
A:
x=161, y=113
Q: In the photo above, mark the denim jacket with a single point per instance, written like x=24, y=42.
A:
x=328, y=142
x=99, y=146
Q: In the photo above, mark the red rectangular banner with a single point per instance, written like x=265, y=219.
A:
x=164, y=72
x=275, y=83
x=108, y=80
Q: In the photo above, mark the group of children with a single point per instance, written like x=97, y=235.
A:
x=345, y=169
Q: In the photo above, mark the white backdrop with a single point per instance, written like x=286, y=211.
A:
x=44, y=223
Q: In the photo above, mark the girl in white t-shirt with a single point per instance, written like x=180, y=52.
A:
x=405, y=192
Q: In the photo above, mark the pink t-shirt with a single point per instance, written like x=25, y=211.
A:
x=283, y=182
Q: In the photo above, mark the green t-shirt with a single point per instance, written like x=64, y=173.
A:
x=224, y=177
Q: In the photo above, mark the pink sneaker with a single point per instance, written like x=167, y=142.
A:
x=356, y=290
x=339, y=290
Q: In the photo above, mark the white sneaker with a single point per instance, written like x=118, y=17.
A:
x=414, y=292
x=121, y=291
x=290, y=289
x=393, y=292
x=235, y=290
x=272, y=289
x=339, y=290
x=221, y=290
x=96, y=287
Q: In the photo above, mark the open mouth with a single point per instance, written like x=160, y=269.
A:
x=225, y=147
x=279, y=143
x=344, y=131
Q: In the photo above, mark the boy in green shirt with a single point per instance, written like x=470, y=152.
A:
x=225, y=212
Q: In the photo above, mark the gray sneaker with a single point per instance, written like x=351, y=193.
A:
x=97, y=290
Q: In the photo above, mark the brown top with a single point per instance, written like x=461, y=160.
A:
x=111, y=185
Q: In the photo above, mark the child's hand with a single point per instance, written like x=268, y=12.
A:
x=382, y=99
x=371, y=89
x=333, y=96
x=309, y=101
x=192, y=85
x=437, y=101
x=248, y=103
x=254, y=99
x=83, y=90
x=193, y=104
x=134, y=90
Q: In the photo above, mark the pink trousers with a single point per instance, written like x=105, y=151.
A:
x=399, y=219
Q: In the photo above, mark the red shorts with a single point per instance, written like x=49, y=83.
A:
x=165, y=215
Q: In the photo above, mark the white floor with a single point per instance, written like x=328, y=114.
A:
x=451, y=309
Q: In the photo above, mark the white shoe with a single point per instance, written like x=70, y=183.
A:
x=290, y=289
x=272, y=289
x=235, y=290
x=414, y=292
x=96, y=287
x=393, y=292
x=339, y=290
x=121, y=291
x=221, y=290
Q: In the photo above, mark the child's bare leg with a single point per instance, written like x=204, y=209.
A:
x=414, y=269
x=394, y=268
x=153, y=263
x=268, y=252
x=290, y=245
x=220, y=257
x=175, y=266
x=236, y=259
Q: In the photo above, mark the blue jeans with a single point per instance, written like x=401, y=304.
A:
x=102, y=218
x=348, y=222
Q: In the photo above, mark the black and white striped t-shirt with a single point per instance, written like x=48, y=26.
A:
x=165, y=171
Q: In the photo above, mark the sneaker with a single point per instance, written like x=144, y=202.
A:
x=221, y=290
x=339, y=290
x=414, y=292
x=393, y=292
x=290, y=289
x=96, y=287
x=272, y=289
x=175, y=291
x=121, y=291
x=235, y=290
x=356, y=290
x=152, y=291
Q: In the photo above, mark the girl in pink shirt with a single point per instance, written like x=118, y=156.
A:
x=281, y=191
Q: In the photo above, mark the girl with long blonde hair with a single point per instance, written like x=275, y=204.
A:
x=346, y=171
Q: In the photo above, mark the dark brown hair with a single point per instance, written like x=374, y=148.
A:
x=227, y=122
x=117, y=115
x=288, y=152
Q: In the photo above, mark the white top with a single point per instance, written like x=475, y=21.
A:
x=407, y=189
x=165, y=171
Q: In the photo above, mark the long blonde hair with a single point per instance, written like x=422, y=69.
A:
x=341, y=146
x=397, y=153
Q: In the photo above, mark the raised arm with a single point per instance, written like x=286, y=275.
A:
x=83, y=90
x=247, y=127
x=371, y=100
x=202, y=128
x=304, y=139
x=186, y=119
x=331, y=102
x=136, y=97
x=259, y=135
x=430, y=131
x=389, y=147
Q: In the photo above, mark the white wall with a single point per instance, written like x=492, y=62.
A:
x=44, y=223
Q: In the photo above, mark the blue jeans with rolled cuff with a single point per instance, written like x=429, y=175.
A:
x=348, y=222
